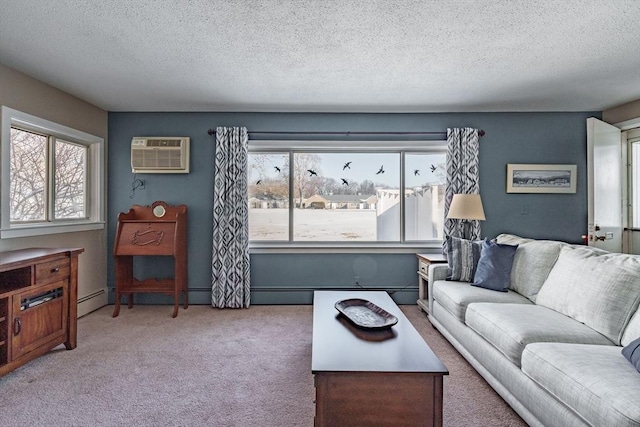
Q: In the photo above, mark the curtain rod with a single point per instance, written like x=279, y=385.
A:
x=264, y=132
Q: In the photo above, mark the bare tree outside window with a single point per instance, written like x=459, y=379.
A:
x=306, y=175
x=69, y=180
x=29, y=177
x=28, y=172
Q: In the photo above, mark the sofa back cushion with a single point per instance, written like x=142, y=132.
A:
x=511, y=239
x=532, y=263
x=599, y=289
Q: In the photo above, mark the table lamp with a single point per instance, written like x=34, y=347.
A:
x=466, y=207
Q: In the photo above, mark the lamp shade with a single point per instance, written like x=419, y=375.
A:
x=466, y=206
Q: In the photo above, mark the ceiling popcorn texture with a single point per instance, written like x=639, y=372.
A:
x=330, y=56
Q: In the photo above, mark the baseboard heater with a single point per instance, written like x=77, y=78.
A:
x=91, y=296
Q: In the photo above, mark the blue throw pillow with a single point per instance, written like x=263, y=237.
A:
x=462, y=256
x=494, y=266
x=632, y=353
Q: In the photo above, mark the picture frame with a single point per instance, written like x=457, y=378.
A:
x=541, y=178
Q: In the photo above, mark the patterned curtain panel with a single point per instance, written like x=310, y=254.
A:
x=462, y=178
x=230, y=260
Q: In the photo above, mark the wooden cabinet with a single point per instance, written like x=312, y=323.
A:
x=38, y=303
x=156, y=230
x=424, y=261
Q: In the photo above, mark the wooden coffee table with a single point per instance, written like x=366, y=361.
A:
x=387, y=377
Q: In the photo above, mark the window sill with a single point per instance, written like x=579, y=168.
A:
x=41, y=230
x=354, y=248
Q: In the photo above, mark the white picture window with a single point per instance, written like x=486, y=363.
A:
x=52, y=178
x=375, y=193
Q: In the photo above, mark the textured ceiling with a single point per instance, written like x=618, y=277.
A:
x=333, y=55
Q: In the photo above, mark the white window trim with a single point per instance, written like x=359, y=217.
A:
x=95, y=166
x=630, y=139
x=276, y=146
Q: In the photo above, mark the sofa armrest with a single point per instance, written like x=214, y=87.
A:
x=436, y=272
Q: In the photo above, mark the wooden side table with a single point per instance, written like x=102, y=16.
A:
x=424, y=260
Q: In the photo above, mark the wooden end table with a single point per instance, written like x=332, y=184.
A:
x=424, y=261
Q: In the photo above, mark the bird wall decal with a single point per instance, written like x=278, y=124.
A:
x=416, y=172
x=277, y=169
x=312, y=172
x=259, y=182
x=381, y=170
x=344, y=181
x=346, y=165
x=433, y=168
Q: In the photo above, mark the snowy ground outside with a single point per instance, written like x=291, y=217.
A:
x=313, y=224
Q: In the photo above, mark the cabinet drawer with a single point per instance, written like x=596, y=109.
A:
x=423, y=268
x=52, y=271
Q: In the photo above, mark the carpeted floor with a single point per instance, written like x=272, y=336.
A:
x=206, y=367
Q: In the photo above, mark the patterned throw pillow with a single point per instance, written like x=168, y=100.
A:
x=462, y=256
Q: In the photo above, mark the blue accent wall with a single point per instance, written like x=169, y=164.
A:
x=290, y=278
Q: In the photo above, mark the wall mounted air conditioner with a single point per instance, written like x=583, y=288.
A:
x=160, y=154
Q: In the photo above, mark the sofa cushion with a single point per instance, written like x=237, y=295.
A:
x=510, y=327
x=462, y=257
x=601, y=290
x=456, y=296
x=596, y=381
x=494, y=267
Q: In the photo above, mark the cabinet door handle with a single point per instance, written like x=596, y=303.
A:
x=17, y=326
x=55, y=270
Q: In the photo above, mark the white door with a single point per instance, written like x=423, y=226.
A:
x=604, y=177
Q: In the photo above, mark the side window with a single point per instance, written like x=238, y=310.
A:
x=47, y=178
x=52, y=177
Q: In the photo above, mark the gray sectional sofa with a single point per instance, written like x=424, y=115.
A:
x=551, y=345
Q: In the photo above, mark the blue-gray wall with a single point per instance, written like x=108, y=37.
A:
x=289, y=278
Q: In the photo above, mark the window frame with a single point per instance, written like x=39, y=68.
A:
x=54, y=183
x=334, y=146
x=632, y=138
x=94, y=177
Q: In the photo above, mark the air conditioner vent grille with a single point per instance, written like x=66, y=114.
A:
x=163, y=143
x=160, y=155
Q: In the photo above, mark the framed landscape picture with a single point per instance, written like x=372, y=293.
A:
x=527, y=178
